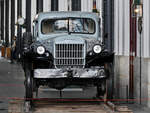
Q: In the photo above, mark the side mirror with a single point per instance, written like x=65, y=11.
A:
x=21, y=21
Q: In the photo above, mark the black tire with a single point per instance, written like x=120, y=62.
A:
x=26, y=40
x=109, y=82
x=101, y=89
x=28, y=85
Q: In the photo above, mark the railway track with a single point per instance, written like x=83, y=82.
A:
x=66, y=106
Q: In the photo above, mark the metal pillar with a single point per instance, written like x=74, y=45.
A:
x=132, y=52
x=109, y=24
x=39, y=5
x=2, y=20
x=28, y=15
x=54, y=5
x=7, y=23
x=19, y=29
x=12, y=20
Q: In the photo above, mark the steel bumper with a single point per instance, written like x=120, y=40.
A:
x=65, y=73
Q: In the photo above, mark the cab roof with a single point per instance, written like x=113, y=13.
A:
x=63, y=14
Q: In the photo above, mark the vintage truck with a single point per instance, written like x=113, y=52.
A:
x=64, y=49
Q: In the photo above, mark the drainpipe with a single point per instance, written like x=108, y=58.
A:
x=132, y=52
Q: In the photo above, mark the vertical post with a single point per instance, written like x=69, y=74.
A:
x=2, y=19
x=28, y=15
x=39, y=6
x=108, y=24
x=7, y=23
x=19, y=29
x=12, y=19
x=132, y=52
x=94, y=6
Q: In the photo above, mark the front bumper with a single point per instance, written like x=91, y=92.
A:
x=72, y=73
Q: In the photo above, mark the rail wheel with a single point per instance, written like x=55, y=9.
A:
x=109, y=84
x=101, y=89
x=28, y=85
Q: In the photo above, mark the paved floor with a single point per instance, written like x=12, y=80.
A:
x=12, y=85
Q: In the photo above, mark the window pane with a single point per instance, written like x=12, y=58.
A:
x=65, y=25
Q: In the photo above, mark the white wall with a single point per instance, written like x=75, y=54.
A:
x=121, y=27
x=46, y=5
x=15, y=17
x=63, y=5
x=4, y=18
x=87, y=5
x=9, y=20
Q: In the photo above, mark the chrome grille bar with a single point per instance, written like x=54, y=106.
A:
x=69, y=55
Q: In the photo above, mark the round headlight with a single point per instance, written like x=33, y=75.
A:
x=97, y=49
x=40, y=50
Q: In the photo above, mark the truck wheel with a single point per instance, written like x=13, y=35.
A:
x=28, y=85
x=109, y=83
x=101, y=89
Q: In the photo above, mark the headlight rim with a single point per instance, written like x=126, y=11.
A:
x=41, y=52
x=100, y=48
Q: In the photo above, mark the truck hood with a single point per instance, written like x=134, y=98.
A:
x=69, y=39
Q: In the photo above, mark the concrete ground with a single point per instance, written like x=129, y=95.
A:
x=12, y=85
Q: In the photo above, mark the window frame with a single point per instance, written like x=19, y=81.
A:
x=65, y=18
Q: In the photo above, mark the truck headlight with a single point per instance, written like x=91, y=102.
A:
x=97, y=49
x=40, y=50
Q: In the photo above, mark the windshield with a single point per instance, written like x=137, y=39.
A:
x=68, y=25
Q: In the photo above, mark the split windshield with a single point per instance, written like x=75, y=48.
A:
x=68, y=25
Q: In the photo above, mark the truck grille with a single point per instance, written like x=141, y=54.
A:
x=69, y=55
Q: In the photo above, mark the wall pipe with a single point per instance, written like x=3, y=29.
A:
x=132, y=52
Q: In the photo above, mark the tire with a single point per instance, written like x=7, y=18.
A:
x=109, y=82
x=101, y=89
x=28, y=85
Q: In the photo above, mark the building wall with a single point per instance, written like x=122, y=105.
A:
x=121, y=27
